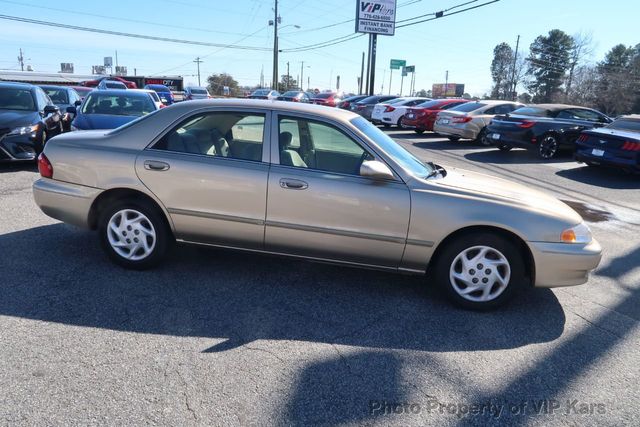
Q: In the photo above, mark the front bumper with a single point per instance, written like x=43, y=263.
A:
x=63, y=201
x=564, y=264
x=15, y=148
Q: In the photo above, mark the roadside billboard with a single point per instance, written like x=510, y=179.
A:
x=442, y=90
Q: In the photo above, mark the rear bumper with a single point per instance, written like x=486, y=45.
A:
x=523, y=139
x=563, y=264
x=608, y=159
x=454, y=131
x=65, y=202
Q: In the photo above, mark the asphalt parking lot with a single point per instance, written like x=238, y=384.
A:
x=222, y=338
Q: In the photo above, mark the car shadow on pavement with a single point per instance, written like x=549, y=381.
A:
x=602, y=177
x=515, y=156
x=58, y=273
x=18, y=167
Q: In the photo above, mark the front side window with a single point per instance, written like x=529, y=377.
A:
x=320, y=146
x=231, y=135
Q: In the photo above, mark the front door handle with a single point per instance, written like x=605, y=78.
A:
x=293, y=184
x=154, y=165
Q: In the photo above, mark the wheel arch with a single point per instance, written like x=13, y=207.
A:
x=529, y=262
x=113, y=194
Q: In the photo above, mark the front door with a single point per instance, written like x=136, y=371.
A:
x=210, y=171
x=320, y=207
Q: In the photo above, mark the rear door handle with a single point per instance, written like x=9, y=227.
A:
x=154, y=165
x=293, y=184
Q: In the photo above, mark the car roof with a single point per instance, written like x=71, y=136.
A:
x=119, y=92
x=557, y=107
x=494, y=101
x=15, y=85
x=293, y=107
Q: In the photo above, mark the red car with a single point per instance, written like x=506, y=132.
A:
x=94, y=83
x=422, y=117
x=328, y=99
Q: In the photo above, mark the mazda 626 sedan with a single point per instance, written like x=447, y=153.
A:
x=309, y=182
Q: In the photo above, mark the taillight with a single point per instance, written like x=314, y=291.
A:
x=360, y=107
x=631, y=146
x=463, y=119
x=162, y=105
x=582, y=138
x=44, y=166
x=526, y=124
x=389, y=109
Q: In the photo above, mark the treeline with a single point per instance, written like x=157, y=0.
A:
x=558, y=68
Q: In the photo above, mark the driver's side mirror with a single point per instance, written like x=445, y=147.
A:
x=77, y=103
x=71, y=110
x=376, y=170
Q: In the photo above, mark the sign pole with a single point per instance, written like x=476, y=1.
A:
x=390, y=78
x=366, y=86
x=374, y=46
x=401, y=83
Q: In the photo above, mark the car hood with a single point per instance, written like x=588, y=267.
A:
x=614, y=132
x=503, y=191
x=16, y=118
x=101, y=121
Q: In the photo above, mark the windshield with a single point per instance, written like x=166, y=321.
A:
x=262, y=92
x=131, y=123
x=58, y=96
x=468, y=106
x=199, y=91
x=407, y=160
x=396, y=101
x=16, y=99
x=626, y=124
x=118, y=105
x=531, y=111
x=115, y=85
x=429, y=104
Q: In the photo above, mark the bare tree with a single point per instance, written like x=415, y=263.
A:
x=582, y=49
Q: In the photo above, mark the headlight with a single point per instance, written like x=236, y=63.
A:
x=578, y=234
x=24, y=130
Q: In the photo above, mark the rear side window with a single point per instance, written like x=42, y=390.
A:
x=468, y=107
x=626, y=124
x=230, y=135
x=429, y=104
x=532, y=111
x=452, y=105
x=501, y=109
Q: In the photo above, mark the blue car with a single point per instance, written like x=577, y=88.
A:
x=163, y=92
x=109, y=109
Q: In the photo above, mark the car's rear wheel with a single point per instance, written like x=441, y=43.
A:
x=548, y=147
x=482, y=138
x=505, y=147
x=134, y=234
x=480, y=270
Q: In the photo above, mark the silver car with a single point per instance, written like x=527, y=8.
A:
x=308, y=182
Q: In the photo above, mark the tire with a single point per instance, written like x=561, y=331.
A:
x=504, y=147
x=548, y=146
x=419, y=131
x=386, y=125
x=453, y=138
x=482, y=139
x=399, y=123
x=491, y=284
x=119, y=242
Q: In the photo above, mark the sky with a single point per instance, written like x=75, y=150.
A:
x=461, y=44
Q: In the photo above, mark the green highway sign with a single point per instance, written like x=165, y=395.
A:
x=396, y=64
x=410, y=69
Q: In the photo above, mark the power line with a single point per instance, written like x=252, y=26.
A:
x=131, y=35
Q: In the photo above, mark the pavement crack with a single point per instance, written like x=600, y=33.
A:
x=186, y=397
x=264, y=350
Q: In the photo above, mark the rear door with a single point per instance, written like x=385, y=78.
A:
x=210, y=171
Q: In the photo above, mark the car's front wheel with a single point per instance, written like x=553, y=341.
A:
x=480, y=270
x=134, y=234
x=505, y=147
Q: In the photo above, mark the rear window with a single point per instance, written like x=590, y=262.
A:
x=259, y=92
x=626, y=124
x=532, y=111
x=291, y=93
x=324, y=95
x=118, y=105
x=199, y=91
x=429, y=104
x=468, y=106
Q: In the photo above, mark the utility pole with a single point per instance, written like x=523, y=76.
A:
x=288, y=77
x=274, y=82
x=390, y=78
x=308, y=83
x=198, y=61
x=401, y=80
x=262, y=76
x=446, y=84
x=301, y=76
x=116, y=59
x=374, y=48
x=21, y=60
x=361, y=76
x=512, y=86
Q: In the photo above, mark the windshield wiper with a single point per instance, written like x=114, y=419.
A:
x=437, y=170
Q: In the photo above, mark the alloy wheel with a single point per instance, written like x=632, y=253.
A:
x=480, y=274
x=548, y=147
